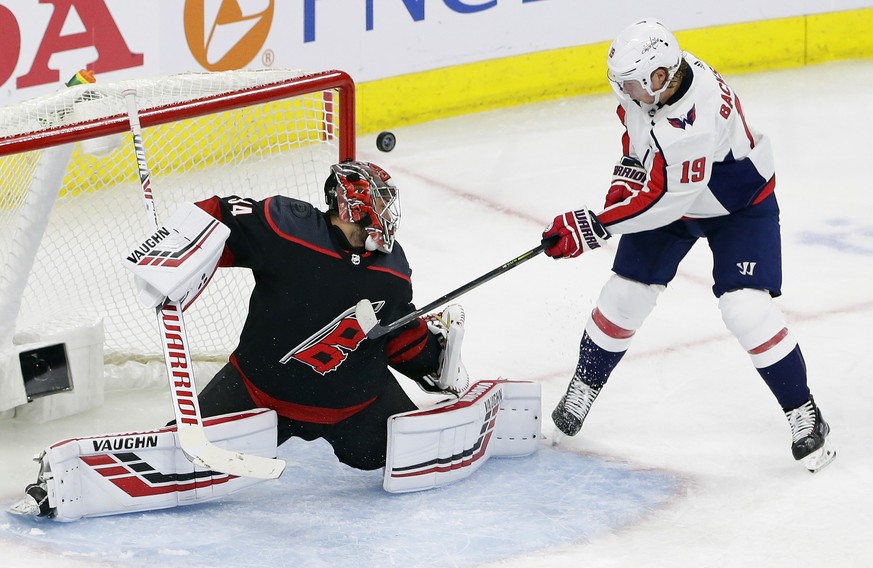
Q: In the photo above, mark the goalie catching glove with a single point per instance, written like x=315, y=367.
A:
x=448, y=326
x=573, y=233
x=179, y=259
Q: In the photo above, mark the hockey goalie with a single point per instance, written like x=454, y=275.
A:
x=303, y=367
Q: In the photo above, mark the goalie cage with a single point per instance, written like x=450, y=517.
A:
x=71, y=206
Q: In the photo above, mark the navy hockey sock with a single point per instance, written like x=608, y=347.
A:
x=787, y=380
x=595, y=363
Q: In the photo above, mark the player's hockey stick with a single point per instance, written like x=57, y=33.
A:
x=177, y=356
x=369, y=323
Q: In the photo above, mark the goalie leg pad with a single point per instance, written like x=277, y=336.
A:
x=125, y=473
x=518, y=425
x=436, y=446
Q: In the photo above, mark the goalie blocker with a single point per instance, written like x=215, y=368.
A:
x=141, y=471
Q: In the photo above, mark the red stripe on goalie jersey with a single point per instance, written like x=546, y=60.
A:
x=408, y=344
x=655, y=188
x=299, y=412
x=391, y=272
x=275, y=226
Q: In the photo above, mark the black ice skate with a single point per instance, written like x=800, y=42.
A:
x=574, y=406
x=809, y=436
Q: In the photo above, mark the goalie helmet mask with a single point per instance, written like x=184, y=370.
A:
x=637, y=52
x=363, y=193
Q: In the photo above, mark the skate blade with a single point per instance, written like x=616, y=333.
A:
x=821, y=458
x=557, y=437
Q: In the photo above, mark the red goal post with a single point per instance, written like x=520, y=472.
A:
x=71, y=205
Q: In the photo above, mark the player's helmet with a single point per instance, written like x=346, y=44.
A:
x=363, y=193
x=638, y=51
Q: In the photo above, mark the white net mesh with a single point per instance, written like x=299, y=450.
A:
x=282, y=146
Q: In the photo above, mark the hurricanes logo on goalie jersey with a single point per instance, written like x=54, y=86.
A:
x=329, y=347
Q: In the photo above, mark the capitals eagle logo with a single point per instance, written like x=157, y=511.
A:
x=687, y=119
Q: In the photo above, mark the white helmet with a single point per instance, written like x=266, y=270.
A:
x=638, y=51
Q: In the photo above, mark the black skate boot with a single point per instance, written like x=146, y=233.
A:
x=809, y=436
x=574, y=406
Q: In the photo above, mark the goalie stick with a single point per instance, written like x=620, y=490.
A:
x=366, y=315
x=177, y=357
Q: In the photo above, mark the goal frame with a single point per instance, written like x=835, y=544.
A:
x=338, y=90
x=118, y=124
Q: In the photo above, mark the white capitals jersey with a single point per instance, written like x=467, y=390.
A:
x=701, y=157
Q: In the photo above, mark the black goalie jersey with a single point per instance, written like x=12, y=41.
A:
x=301, y=351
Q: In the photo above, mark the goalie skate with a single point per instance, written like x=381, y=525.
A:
x=35, y=502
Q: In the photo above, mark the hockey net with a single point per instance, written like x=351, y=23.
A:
x=71, y=203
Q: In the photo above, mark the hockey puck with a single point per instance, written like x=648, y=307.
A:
x=385, y=141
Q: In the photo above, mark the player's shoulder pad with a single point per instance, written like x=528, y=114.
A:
x=298, y=221
x=297, y=208
x=288, y=212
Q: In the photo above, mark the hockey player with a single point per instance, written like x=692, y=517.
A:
x=692, y=168
x=303, y=367
x=301, y=351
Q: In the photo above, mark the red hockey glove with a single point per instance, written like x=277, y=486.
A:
x=576, y=232
x=628, y=179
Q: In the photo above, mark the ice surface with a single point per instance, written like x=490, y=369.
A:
x=320, y=513
x=684, y=460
